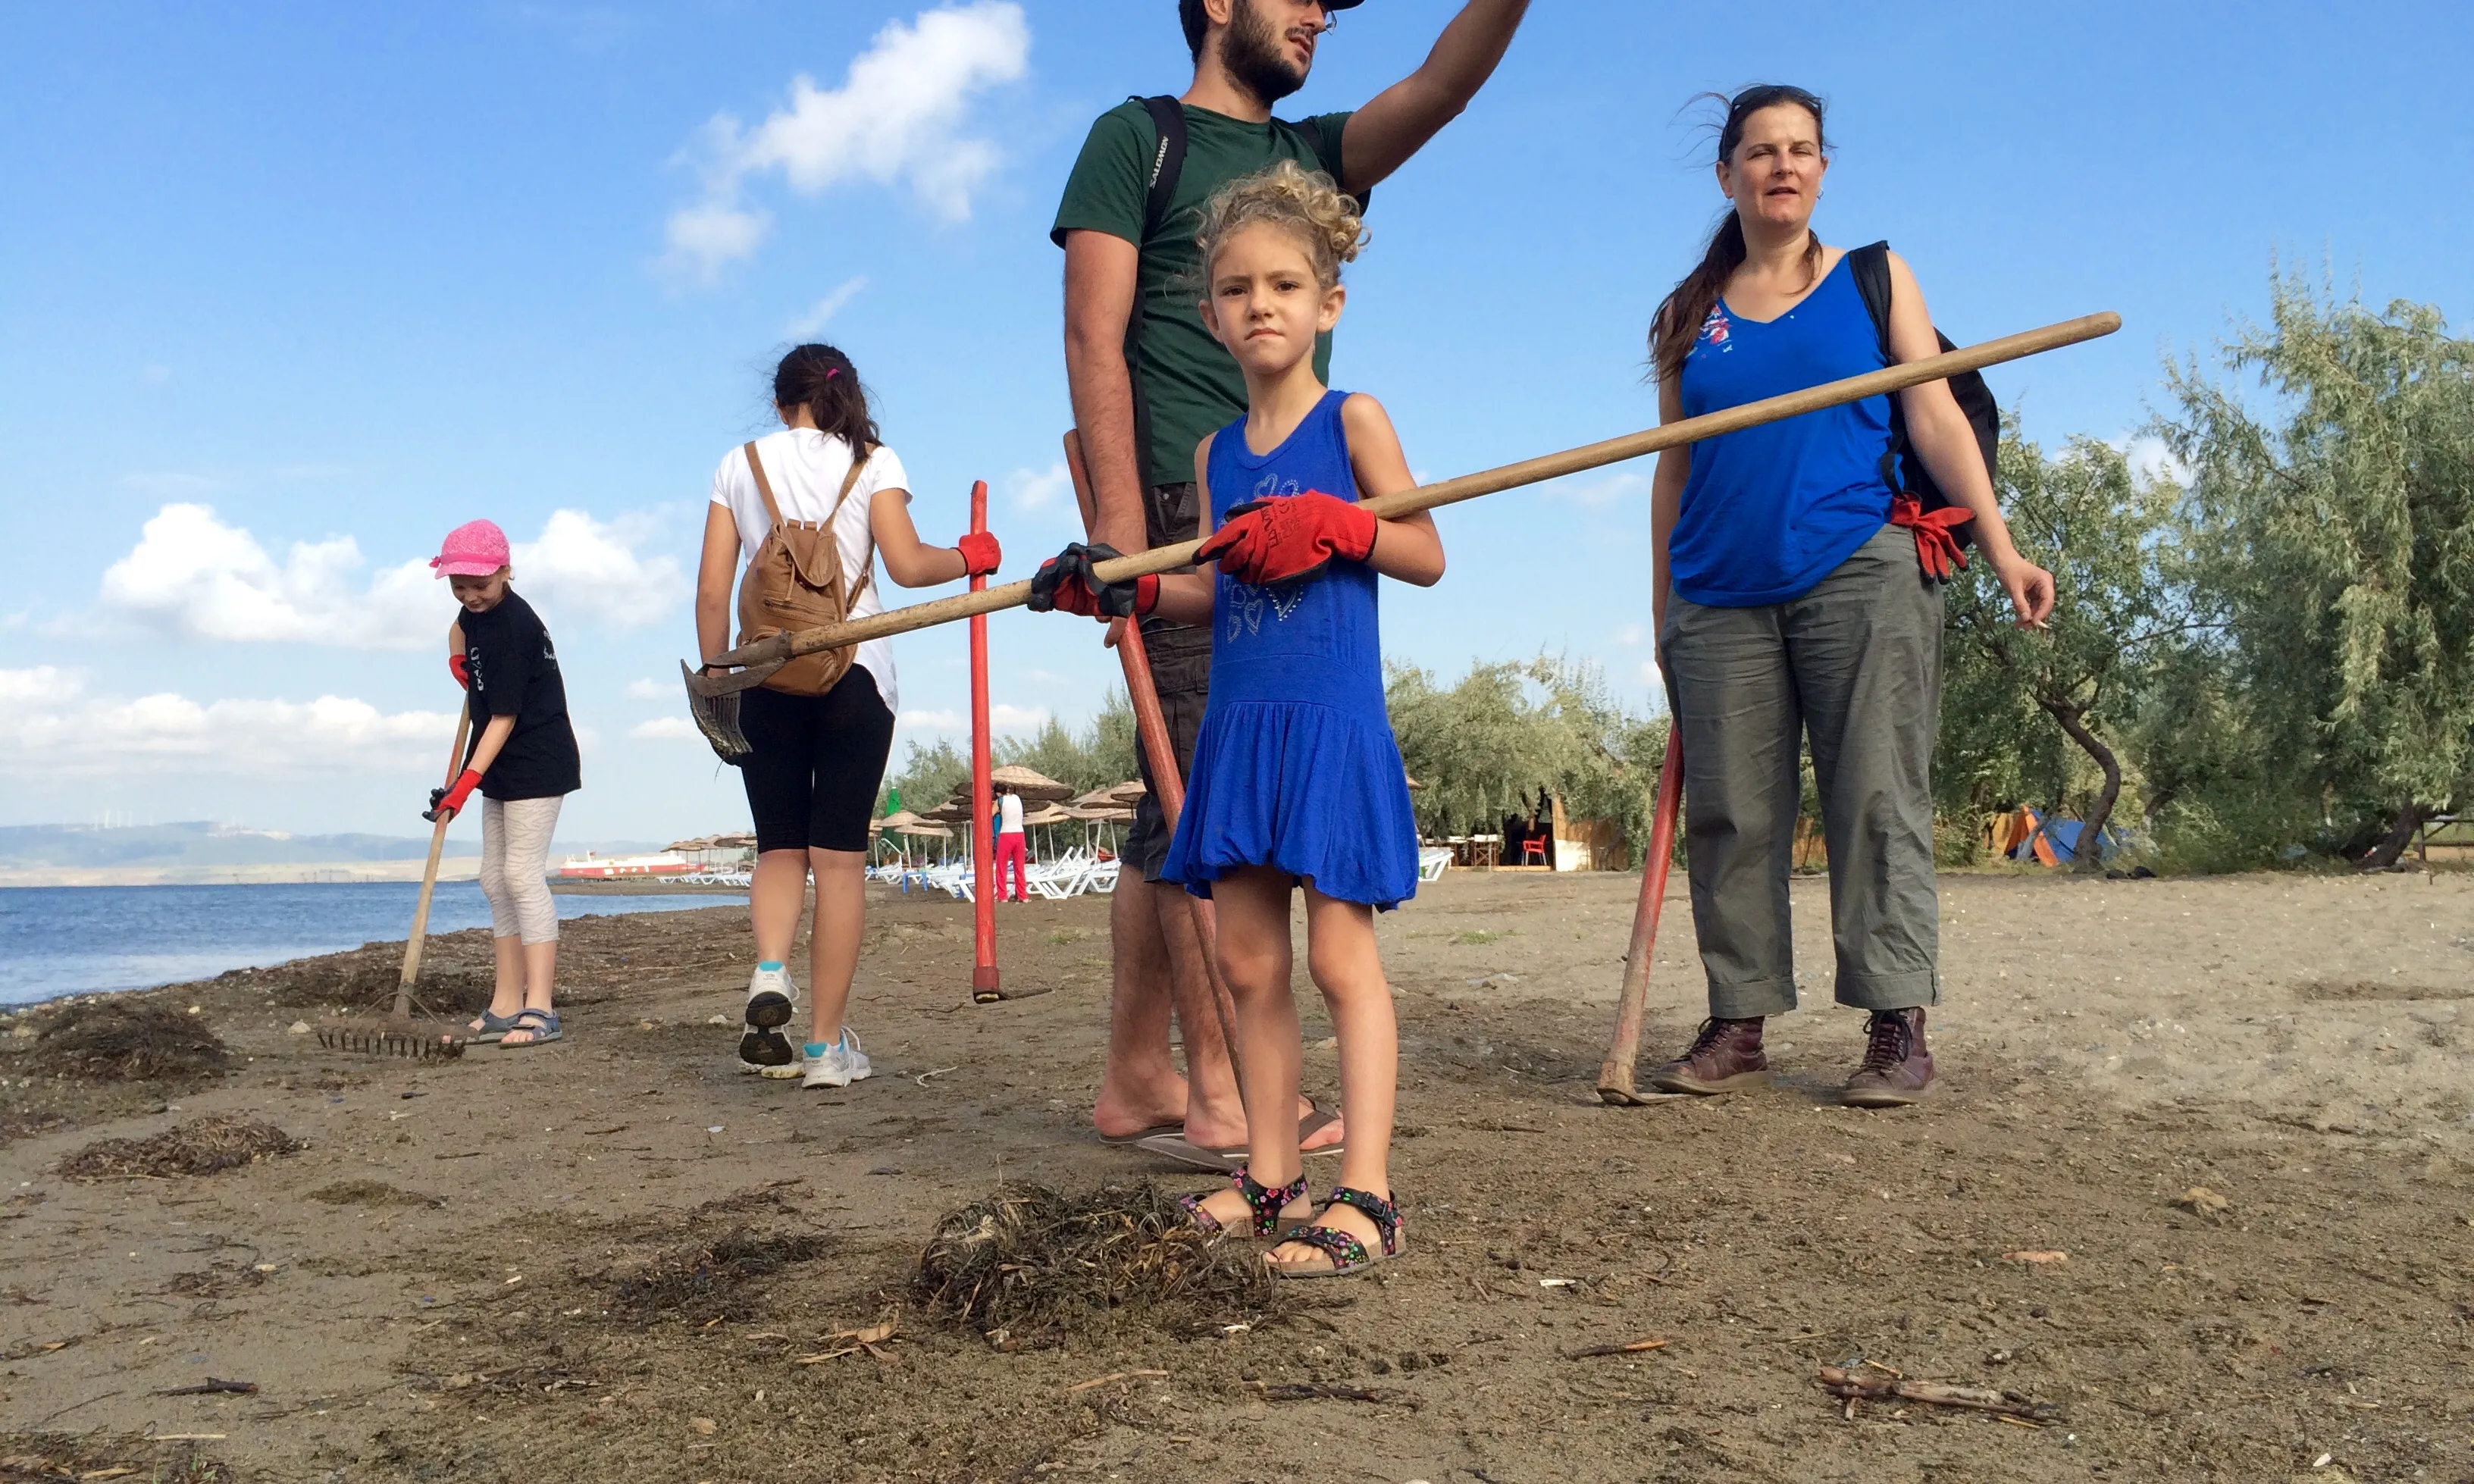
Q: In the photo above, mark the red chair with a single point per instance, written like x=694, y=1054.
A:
x=1533, y=850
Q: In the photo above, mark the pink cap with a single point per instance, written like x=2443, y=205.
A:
x=476, y=548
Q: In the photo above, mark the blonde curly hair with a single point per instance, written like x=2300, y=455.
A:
x=1304, y=204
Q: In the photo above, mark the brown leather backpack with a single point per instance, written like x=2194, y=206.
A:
x=795, y=581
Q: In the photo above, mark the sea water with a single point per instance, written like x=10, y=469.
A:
x=57, y=940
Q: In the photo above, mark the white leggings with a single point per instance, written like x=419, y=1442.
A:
x=514, y=867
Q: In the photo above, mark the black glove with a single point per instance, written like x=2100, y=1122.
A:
x=1066, y=581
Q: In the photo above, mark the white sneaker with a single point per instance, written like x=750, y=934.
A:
x=840, y=1065
x=771, y=996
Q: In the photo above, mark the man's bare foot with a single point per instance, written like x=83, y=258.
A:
x=1209, y=1129
x=1131, y=1115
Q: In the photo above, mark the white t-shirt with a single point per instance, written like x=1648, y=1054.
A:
x=1009, y=814
x=806, y=469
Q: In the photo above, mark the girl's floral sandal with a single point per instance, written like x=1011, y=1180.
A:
x=1269, y=1206
x=1347, y=1254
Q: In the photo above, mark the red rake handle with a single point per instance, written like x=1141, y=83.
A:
x=1616, y=1077
x=983, y=900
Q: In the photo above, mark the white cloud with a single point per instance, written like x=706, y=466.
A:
x=581, y=565
x=934, y=720
x=1036, y=490
x=1600, y=492
x=898, y=118
x=1631, y=634
x=193, y=574
x=663, y=729
x=807, y=326
x=51, y=724
x=2150, y=459
x=649, y=690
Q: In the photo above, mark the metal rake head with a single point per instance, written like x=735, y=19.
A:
x=712, y=703
x=391, y=1039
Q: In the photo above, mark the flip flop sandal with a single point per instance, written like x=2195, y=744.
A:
x=1349, y=1255
x=1157, y=1130
x=489, y=1027
x=1172, y=1145
x=1271, y=1208
x=541, y=1025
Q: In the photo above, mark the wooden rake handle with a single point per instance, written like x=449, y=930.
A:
x=1427, y=497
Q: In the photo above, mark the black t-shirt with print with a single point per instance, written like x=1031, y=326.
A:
x=515, y=673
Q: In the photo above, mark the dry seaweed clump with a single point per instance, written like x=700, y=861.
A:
x=727, y=1277
x=123, y=1040
x=1031, y=1264
x=53, y=1456
x=201, y=1146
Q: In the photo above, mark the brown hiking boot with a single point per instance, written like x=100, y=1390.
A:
x=1725, y=1058
x=1897, y=1067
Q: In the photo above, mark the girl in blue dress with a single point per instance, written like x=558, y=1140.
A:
x=1296, y=780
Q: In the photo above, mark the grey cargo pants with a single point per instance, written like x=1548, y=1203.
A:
x=1856, y=665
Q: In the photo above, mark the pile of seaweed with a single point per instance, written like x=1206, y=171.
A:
x=1032, y=1264
x=118, y=1039
x=201, y=1146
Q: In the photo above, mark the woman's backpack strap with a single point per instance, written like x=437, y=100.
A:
x=867, y=567
x=763, y=487
x=1871, y=266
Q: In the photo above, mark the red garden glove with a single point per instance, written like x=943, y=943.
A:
x=981, y=553
x=463, y=672
x=1065, y=583
x=449, y=801
x=1290, y=538
x=1937, y=550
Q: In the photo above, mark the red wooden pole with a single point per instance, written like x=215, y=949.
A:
x=1614, y=1076
x=984, y=888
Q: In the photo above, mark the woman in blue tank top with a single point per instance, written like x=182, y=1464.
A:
x=1796, y=599
x=1296, y=781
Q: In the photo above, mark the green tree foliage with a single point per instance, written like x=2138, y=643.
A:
x=2011, y=695
x=2333, y=539
x=1483, y=748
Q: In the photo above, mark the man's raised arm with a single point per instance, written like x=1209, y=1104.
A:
x=1100, y=278
x=1382, y=136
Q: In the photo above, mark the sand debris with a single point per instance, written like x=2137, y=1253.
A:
x=126, y=1040
x=1032, y=1264
x=201, y=1146
x=371, y=1192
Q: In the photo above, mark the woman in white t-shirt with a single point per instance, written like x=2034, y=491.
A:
x=818, y=760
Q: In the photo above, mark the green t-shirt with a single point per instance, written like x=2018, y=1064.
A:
x=1184, y=379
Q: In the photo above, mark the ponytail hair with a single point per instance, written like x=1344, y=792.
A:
x=1677, y=324
x=823, y=381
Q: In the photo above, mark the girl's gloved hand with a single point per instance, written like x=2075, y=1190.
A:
x=981, y=553
x=462, y=672
x=1066, y=583
x=1290, y=538
x=448, y=802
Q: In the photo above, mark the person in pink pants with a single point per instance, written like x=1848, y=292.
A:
x=1012, y=847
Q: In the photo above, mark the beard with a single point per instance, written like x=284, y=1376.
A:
x=1253, y=55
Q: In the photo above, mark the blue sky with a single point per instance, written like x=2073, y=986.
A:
x=286, y=293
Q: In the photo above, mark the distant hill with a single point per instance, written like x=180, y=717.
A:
x=200, y=844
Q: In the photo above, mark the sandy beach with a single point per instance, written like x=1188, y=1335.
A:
x=2199, y=1183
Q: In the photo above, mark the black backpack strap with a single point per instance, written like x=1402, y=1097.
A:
x=1159, y=193
x=1168, y=160
x=1871, y=266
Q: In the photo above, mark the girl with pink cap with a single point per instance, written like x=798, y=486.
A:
x=522, y=762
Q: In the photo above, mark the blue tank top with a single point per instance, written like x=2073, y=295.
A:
x=1770, y=511
x=1320, y=643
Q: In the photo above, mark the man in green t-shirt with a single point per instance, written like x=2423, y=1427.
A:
x=1143, y=402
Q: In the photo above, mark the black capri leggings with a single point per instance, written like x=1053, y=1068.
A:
x=813, y=777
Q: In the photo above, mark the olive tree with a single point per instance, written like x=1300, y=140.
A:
x=2333, y=533
x=2105, y=534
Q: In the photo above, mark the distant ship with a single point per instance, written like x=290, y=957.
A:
x=589, y=867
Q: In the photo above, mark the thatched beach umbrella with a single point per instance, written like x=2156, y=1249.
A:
x=1034, y=786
